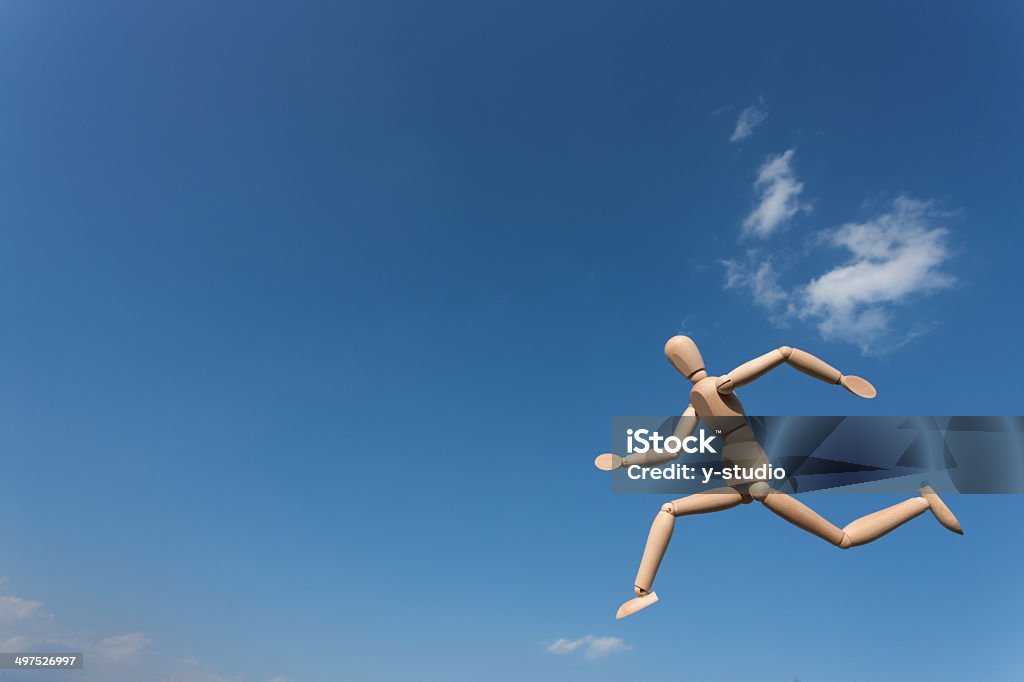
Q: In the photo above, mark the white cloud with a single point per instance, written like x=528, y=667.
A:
x=14, y=609
x=566, y=646
x=604, y=646
x=592, y=647
x=750, y=118
x=892, y=258
x=761, y=280
x=121, y=647
x=26, y=626
x=778, y=196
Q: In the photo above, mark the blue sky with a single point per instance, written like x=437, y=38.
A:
x=316, y=315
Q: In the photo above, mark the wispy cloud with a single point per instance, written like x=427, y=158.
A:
x=749, y=119
x=14, y=609
x=592, y=647
x=760, y=279
x=778, y=193
x=892, y=258
x=121, y=647
x=26, y=626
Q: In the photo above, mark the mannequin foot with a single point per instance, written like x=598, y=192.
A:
x=633, y=605
x=940, y=510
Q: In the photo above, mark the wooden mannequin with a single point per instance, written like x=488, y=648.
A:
x=713, y=401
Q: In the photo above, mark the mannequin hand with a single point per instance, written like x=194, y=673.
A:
x=858, y=386
x=608, y=462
